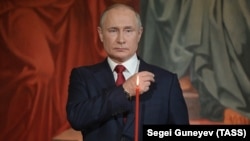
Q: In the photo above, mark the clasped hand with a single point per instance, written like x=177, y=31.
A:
x=145, y=80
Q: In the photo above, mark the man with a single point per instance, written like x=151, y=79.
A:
x=97, y=105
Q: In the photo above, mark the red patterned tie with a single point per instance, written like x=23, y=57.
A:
x=120, y=77
x=120, y=80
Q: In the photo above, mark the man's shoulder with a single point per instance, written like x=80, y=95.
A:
x=94, y=66
x=89, y=66
x=157, y=69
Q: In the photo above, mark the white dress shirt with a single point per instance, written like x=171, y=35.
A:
x=132, y=66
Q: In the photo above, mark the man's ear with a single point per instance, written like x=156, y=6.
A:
x=99, y=29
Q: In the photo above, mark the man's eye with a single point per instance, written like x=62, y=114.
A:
x=112, y=30
x=128, y=30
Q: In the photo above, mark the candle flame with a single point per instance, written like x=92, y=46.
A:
x=137, y=80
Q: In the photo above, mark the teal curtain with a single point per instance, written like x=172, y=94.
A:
x=209, y=40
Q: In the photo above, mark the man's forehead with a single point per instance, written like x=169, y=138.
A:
x=122, y=19
x=120, y=24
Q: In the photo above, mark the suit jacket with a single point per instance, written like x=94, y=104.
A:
x=95, y=104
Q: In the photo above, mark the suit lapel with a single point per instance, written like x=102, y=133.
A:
x=105, y=78
x=104, y=75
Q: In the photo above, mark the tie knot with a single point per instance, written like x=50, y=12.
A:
x=119, y=68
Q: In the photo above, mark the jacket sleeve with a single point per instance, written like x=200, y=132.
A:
x=178, y=107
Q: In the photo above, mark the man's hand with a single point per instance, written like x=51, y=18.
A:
x=145, y=80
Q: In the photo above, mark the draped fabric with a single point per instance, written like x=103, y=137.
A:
x=40, y=42
x=207, y=40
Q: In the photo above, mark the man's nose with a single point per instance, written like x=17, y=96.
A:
x=120, y=38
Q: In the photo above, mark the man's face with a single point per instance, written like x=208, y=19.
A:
x=120, y=34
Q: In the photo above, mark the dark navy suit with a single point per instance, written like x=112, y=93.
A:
x=95, y=105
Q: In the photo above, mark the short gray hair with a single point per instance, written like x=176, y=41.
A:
x=120, y=5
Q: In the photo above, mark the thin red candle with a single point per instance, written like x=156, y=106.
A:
x=137, y=103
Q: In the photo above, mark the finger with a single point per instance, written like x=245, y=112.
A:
x=145, y=77
x=145, y=73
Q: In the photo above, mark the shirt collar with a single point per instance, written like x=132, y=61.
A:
x=130, y=64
